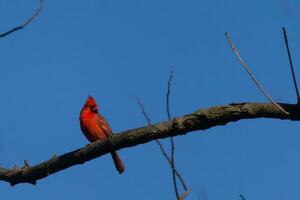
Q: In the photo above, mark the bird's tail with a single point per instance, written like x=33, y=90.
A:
x=118, y=162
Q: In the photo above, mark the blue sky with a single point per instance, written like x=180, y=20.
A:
x=117, y=50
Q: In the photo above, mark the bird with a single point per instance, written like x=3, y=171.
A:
x=95, y=127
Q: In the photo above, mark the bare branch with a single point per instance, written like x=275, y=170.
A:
x=291, y=63
x=242, y=197
x=199, y=120
x=144, y=113
x=163, y=151
x=171, y=138
x=27, y=22
x=168, y=95
x=252, y=75
x=184, y=194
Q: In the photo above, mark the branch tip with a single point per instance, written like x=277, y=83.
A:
x=291, y=63
x=242, y=197
x=27, y=22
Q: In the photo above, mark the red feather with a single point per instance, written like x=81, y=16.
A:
x=95, y=127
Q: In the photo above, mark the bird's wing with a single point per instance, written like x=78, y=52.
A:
x=104, y=125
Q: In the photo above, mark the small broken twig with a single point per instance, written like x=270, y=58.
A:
x=252, y=75
x=291, y=63
x=28, y=21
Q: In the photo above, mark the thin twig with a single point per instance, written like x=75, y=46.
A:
x=252, y=75
x=168, y=95
x=242, y=197
x=161, y=146
x=184, y=195
x=144, y=112
x=291, y=63
x=28, y=21
x=171, y=138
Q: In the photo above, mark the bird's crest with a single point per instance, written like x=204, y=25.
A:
x=90, y=101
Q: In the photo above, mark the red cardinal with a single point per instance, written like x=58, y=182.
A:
x=95, y=127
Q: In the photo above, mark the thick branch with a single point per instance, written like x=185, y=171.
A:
x=199, y=120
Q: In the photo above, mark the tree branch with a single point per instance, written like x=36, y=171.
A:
x=260, y=87
x=163, y=151
x=242, y=197
x=199, y=120
x=28, y=21
x=291, y=63
x=173, y=167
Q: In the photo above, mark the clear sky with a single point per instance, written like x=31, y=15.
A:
x=117, y=50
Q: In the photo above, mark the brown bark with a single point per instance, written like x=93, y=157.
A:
x=199, y=120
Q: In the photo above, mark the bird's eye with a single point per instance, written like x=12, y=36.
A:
x=94, y=108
